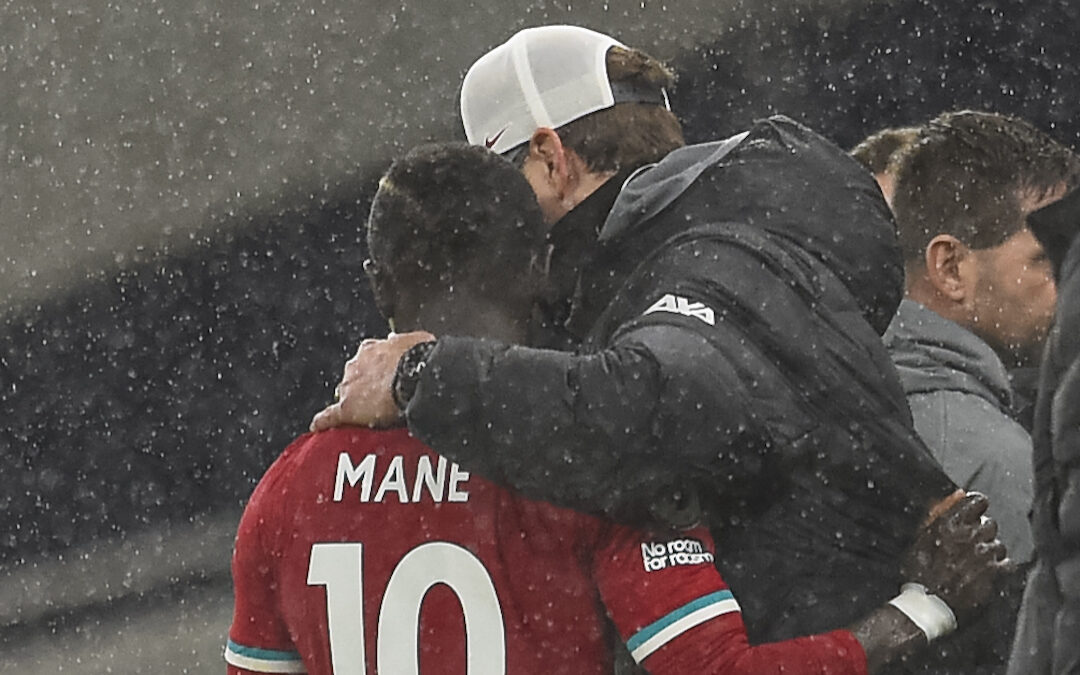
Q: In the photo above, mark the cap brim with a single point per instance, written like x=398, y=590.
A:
x=1056, y=227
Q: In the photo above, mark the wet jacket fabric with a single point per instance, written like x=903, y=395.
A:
x=962, y=403
x=729, y=312
x=1048, y=630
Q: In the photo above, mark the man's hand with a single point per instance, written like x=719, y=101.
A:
x=365, y=394
x=958, y=556
x=943, y=506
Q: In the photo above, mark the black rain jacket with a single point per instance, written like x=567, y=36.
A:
x=730, y=311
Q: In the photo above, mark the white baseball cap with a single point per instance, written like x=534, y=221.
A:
x=541, y=77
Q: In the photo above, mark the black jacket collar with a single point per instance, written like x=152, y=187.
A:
x=573, y=240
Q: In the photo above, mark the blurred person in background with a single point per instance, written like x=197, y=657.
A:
x=1049, y=621
x=979, y=295
x=364, y=549
x=878, y=152
x=727, y=300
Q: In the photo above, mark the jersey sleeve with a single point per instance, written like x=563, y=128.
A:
x=259, y=641
x=675, y=613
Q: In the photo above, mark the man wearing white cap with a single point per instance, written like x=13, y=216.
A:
x=726, y=302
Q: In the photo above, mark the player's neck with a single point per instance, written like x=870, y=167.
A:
x=466, y=317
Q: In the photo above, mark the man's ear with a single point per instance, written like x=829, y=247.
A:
x=949, y=267
x=382, y=287
x=547, y=148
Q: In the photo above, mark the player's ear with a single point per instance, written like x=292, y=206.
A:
x=382, y=287
x=949, y=267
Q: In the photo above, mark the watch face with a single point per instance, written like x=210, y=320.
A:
x=408, y=372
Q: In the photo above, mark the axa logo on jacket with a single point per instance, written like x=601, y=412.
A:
x=676, y=304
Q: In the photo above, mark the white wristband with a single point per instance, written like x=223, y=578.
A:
x=928, y=612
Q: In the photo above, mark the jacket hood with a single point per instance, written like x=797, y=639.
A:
x=933, y=354
x=788, y=181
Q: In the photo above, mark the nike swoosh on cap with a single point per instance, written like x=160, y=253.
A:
x=488, y=142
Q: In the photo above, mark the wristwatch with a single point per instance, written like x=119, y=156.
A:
x=407, y=374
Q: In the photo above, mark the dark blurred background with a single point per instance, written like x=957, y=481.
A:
x=182, y=196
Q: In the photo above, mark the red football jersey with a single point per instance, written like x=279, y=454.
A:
x=366, y=552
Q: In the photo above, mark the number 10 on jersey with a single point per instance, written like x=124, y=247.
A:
x=339, y=567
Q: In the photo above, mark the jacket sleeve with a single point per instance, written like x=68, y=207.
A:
x=716, y=371
x=584, y=430
x=982, y=449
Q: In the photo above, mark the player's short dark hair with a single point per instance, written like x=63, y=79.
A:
x=451, y=214
x=967, y=175
x=876, y=150
x=627, y=135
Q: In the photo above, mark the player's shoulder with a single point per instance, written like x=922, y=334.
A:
x=327, y=445
x=311, y=452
